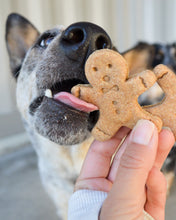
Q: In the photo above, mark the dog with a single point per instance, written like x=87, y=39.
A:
x=48, y=64
x=45, y=65
x=146, y=56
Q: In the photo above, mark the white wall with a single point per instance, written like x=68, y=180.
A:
x=127, y=21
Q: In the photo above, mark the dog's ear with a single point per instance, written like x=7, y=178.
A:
x=20, y=36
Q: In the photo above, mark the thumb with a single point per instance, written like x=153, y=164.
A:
x=135, y=164
x=138, y=157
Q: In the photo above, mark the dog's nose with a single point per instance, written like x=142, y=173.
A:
x=80, y=39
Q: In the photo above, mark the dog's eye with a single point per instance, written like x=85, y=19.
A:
x=46, y=41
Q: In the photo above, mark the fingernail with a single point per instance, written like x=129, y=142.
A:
x=142, y=132
x=166, y=128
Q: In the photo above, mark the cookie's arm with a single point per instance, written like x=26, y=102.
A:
x=84, y=92
x=142, y=81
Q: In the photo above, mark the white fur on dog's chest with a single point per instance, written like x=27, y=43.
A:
x=59, y=167
x=62, y=157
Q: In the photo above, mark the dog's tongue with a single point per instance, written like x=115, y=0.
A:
x=74, y=102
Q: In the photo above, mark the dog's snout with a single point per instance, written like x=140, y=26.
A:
x=79, y=40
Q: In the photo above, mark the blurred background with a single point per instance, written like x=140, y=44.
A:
x=127, y=22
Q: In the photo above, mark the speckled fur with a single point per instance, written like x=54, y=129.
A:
x=60, y=144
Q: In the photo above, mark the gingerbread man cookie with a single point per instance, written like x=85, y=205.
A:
x=114, y=94
x=166, y=110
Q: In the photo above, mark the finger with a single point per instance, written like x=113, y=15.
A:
x=137, y=160
x=156, y=189
x=116, y=160
x=98, y=159
x=166, y=141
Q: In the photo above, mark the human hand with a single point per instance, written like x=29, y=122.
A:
x=133, y=180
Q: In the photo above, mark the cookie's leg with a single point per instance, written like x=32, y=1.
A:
x=100, y=135
x=104, y=129
x=145, y=115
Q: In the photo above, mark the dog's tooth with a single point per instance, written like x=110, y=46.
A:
x=48, y=93
x=65, y=117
